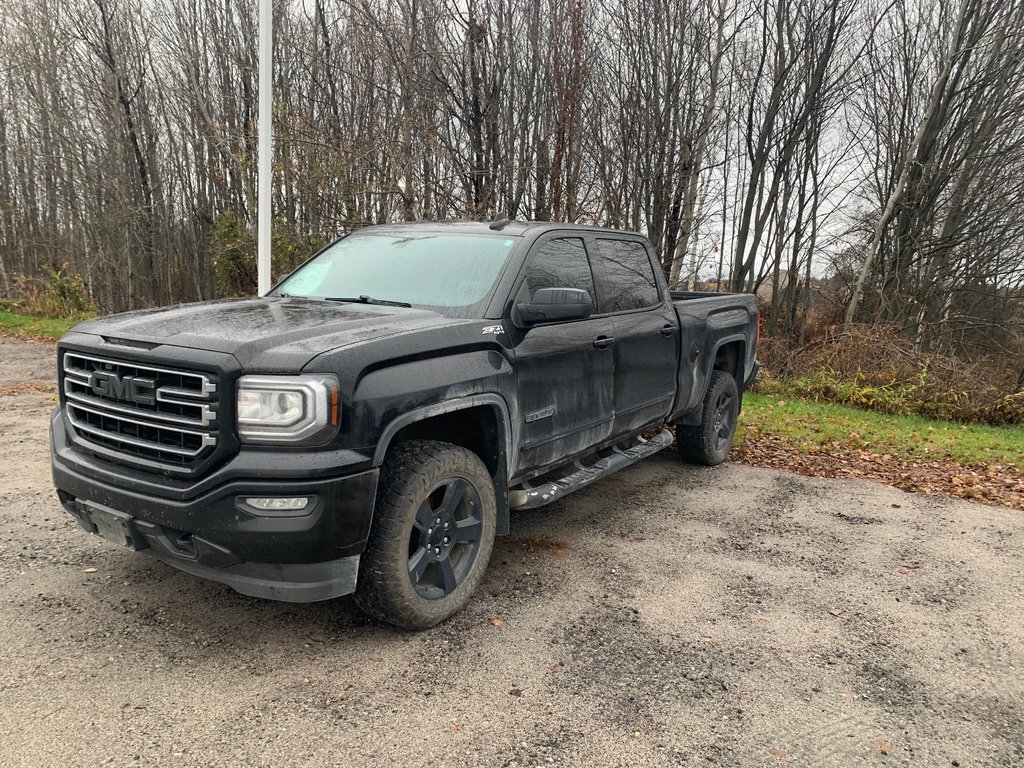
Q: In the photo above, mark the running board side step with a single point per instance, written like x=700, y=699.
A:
x=528, y=496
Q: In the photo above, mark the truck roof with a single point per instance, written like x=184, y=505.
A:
x=514, y=228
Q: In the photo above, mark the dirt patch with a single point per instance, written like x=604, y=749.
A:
x=539, y=544
x=668, y=615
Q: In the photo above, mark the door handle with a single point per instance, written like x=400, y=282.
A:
x=668, y=330
x=603, y=342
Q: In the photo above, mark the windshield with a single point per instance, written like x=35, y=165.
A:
x=451, y=274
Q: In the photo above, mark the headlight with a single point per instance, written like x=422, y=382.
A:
x=287, y=409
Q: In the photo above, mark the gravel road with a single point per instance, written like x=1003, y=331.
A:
x=668, y=615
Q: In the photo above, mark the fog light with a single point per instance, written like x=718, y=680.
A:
x=278, y=503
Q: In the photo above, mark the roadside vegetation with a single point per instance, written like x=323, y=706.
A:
x=34, y=328
x=807, y=426
x=878, y=368
x=45, y=307
x=866, y=401
x=975, y=461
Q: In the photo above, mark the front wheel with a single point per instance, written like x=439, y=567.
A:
x=432, y=534
x=709, y=442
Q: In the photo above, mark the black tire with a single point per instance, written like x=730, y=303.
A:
x=413, y=573
x=709, y=442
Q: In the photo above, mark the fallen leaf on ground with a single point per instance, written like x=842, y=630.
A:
x=25, y=387
x=999, y=483
x=882, y=746
x=540, y=543
x=497, y=622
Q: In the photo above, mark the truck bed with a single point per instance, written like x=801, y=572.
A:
x=712, y=327
x=684, y=295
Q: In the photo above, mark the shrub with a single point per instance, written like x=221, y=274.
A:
x=1005, y=410
x=60, y=293
x=233, y=248
x=878, y=369
x=64, y=293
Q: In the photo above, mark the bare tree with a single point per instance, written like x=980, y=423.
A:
x=759, y=143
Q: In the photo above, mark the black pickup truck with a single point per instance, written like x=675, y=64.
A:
x=367, y=426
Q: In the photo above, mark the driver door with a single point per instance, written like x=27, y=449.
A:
x=565, y=370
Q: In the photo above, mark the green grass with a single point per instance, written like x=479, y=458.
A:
x=807, y=425
x=28, y=326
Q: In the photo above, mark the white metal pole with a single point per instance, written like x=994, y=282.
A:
x=266, y=146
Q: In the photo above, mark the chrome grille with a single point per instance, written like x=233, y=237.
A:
x=160, y=418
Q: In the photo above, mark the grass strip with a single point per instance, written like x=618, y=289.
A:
x=35, y=328
x=809, y=426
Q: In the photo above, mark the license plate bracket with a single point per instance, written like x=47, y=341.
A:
x=114, y=526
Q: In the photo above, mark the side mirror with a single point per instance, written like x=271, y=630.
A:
x=552, y=305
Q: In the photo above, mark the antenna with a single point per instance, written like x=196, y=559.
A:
x=500, y=223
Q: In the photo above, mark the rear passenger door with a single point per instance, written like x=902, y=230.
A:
x=564, y=369
x=646, y=331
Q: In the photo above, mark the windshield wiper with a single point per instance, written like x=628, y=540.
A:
x=364, y=299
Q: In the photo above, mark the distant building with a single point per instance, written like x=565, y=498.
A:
x=764, y=290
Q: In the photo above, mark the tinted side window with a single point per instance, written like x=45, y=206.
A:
x=628, y=281
x=560, y=263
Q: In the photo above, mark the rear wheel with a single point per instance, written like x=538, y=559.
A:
x=432, y=534
x=710, y=441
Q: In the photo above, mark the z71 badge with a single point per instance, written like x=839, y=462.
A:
x=492, y=329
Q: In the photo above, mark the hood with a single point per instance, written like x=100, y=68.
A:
x=264, y=334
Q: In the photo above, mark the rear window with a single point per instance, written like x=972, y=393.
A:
x=628, y=280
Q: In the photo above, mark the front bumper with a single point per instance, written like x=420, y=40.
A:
x=207, y=530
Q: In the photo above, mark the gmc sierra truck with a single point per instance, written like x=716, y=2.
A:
x=368, y=425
